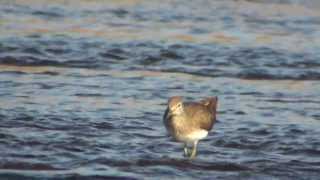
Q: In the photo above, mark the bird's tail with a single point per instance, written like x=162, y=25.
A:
x=211, y=103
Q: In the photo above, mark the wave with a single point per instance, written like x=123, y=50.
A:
x=203, y=60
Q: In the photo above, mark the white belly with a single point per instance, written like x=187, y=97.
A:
x=192, y=137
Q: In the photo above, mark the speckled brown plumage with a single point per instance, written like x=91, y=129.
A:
x=191, y=121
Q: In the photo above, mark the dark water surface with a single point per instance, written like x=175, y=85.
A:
x=84, y=84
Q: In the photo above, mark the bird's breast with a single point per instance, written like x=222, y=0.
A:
x=177, y=125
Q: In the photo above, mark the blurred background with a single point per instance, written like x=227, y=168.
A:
x=84, y=85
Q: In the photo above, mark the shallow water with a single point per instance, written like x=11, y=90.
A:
x=84, y=84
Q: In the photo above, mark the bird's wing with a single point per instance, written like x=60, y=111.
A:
x=165, y=114
x=211, y=104
x=200, y=115
x=166, y=119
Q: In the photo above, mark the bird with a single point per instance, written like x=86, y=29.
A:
x=189, y=122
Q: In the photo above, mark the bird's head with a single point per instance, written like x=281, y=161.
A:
x=175, y=105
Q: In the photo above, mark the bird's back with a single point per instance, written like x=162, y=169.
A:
x=199, y=115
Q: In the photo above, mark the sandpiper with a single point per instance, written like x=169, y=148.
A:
x=188, y=122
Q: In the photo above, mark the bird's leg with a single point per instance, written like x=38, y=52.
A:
x=194, y=150
x=185, y=149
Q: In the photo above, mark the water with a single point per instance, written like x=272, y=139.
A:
x=84, y=85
